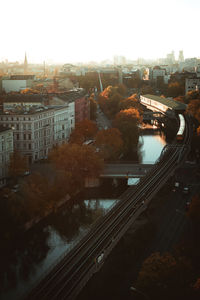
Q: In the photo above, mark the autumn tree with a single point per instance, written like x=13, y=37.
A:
x=175, y=89
x=192, y=95
x=77, y=162
x=110, y=98
x=130, y=102
x=83, y=131
x=43, y=192
x=109, y=142
x=165, y=277
x=194, y=109
x=18, y=164
x=194, y=209
x=127, y=122
x=93, y=108
x=180, y=99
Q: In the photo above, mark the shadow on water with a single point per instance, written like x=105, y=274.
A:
x=19, y=263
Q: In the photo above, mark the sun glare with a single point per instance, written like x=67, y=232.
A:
x=91, y=30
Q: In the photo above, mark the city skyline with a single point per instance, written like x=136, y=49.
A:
x=88, y=31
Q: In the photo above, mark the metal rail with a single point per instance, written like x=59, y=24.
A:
x=69, y=276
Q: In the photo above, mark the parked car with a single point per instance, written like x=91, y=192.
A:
x=186, y=190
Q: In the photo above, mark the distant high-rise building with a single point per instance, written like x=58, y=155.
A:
x=181, y=57
x=170, y=58
x=25, y=64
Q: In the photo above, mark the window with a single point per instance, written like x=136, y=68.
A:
x=29, y=136
x=29, y=146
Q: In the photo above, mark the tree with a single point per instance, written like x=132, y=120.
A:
x=127, y=122
x=93, y=108
x=109, y=142
x=194, y=108
x=175, y=89
x=43, y=192
x=76, y=162
x=180, y=99
x=130, y=102
x=18, y=164
x=83, y=131
x=165, y=277
x=194, y=209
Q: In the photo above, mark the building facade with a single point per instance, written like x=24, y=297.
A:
x=16, y=83
x=35, y=133
x=6, y=148
x=192, y=84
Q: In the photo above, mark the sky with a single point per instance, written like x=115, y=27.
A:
x=65, y=31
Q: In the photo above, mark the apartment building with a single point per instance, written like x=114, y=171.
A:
x=36, y=131
x=192, y=84
x=6, y=148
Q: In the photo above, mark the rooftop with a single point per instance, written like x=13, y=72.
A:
x=173, y=104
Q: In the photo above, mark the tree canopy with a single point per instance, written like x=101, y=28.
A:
x=18, y=164
x=76, y=162
x=109, y=143
x=164, y=276
x=127, y=122
x=83, y=131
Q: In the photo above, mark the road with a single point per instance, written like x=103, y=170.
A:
x=102, y=120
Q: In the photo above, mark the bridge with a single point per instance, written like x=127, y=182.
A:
x=126, y=170
x=66, y=279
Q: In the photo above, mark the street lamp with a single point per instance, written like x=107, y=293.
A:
x=133, y=289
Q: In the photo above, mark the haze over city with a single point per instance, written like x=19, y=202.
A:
x=82, y=31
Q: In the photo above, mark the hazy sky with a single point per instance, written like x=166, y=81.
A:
x=86, y=30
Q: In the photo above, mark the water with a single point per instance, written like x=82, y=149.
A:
x=151, y=147
x=60, y=233
x=39, y=250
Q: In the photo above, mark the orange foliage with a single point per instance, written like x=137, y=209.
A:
x=109, y=143
x=77, y=162
x=83, y=131
x=194, y=209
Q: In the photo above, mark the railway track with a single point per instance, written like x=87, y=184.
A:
x=68, y=277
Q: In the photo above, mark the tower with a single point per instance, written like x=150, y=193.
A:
x=181, y=57
x=25, y=65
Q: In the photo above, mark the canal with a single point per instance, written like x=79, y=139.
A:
x=53, y=237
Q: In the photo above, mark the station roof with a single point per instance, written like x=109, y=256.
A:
x=173, y=104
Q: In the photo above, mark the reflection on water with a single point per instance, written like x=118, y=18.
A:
x=46, y=243
x=151, y=148
x=58, y=233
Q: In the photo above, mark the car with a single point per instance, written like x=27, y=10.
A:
x=26, y=173
x=186, y=190
x=187, y=205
